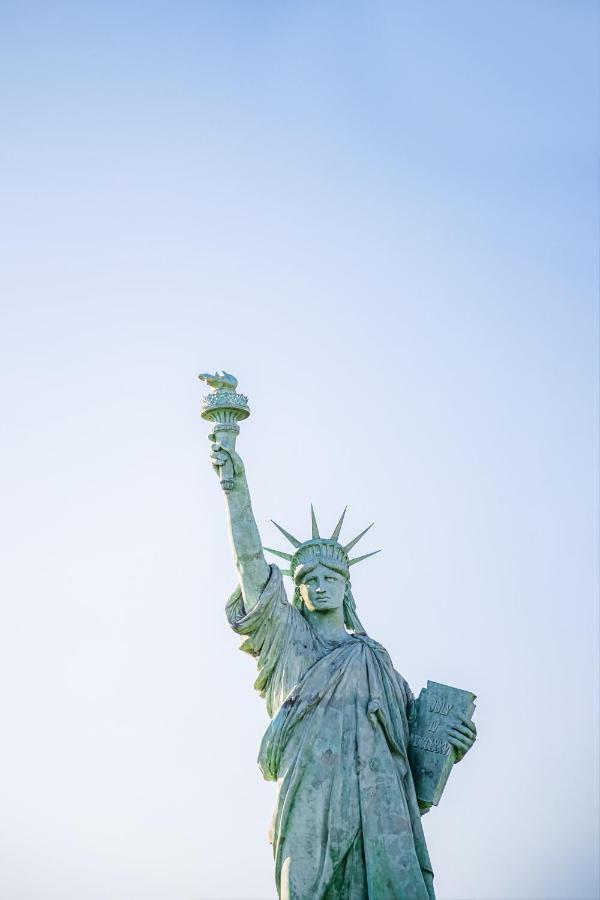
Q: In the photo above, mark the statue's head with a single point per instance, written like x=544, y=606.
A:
x=320, y=569
x=320, y=586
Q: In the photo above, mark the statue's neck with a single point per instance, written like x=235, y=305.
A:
x=328, y=623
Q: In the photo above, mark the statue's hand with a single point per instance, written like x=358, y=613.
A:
x=219, y=455
x=462, y=735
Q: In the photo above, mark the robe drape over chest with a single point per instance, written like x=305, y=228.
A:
x=347, y=824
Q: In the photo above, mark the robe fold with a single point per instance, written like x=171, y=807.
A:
x=347, y=824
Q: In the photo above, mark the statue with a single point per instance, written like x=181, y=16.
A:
x=355, y=758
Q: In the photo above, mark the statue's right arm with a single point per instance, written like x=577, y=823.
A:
x=250, y=562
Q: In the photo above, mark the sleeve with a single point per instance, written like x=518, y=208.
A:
x=277, y=635
x=410, y=703
x=411, y=715
x=408, y=698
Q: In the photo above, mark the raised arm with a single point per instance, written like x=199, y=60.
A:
x=250, y=562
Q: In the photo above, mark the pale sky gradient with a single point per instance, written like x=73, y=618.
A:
x=382, y=216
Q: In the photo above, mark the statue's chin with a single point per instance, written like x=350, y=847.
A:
x=325, y=605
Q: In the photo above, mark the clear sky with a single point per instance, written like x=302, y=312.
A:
x=382, y=216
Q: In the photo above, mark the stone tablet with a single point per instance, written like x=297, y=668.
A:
x=431, y=755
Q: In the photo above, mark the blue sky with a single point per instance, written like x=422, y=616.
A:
x=383, y=218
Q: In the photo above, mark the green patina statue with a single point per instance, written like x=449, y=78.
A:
x=355, y=758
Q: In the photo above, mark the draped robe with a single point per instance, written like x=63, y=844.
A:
x=347, y=824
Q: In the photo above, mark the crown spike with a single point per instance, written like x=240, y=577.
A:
x=279, y=553
x=358, y=559
x=357, y=538
x=294, y=541
x=315, y=527
x=338, y=527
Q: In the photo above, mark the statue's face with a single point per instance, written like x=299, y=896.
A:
x=322, y=588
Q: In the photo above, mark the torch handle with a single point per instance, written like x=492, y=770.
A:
x=226, y=435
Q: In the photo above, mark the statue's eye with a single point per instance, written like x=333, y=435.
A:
x=330, y=578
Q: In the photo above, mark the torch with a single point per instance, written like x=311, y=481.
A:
x=224, y=408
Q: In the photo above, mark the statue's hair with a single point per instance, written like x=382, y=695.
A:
x=351, y=620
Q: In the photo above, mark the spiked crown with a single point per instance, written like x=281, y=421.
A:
x=318, y=549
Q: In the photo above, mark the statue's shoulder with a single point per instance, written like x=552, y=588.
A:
x=373, y=644
x=381, y=652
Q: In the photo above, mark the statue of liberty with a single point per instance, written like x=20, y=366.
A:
x=347, y=821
